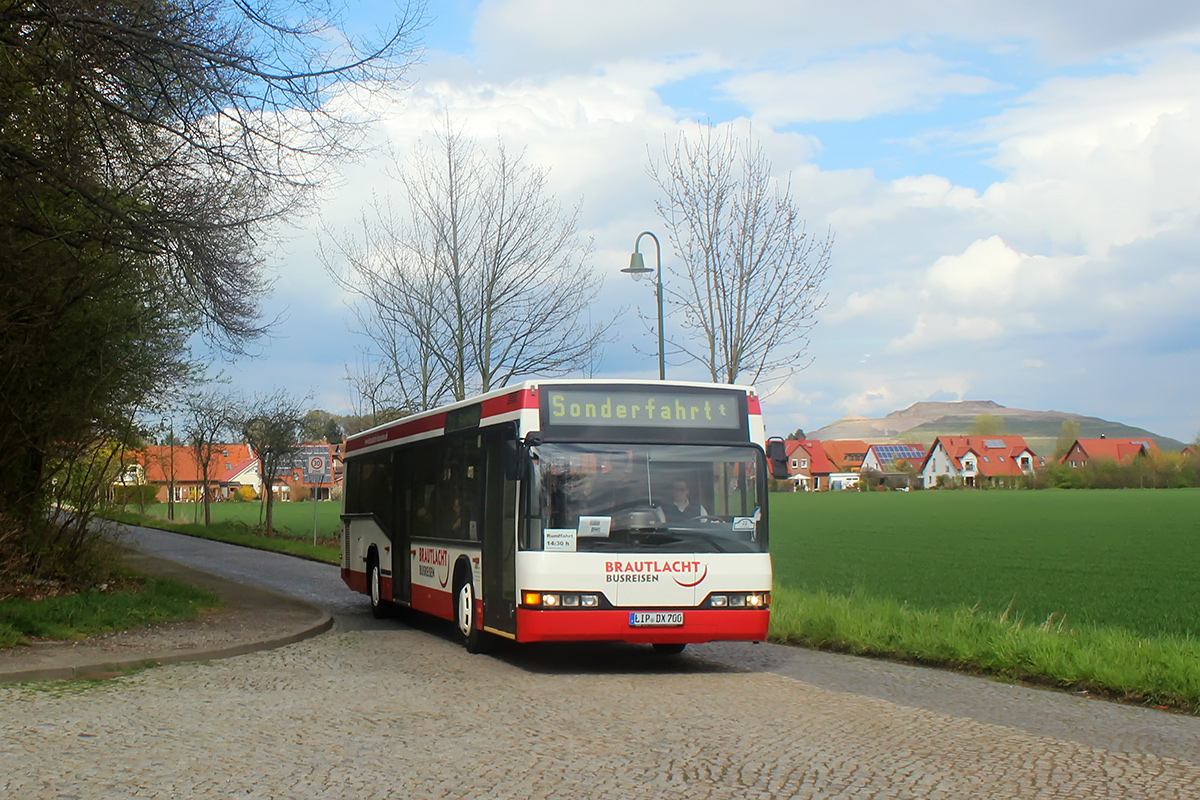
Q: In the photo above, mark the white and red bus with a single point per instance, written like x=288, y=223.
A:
x=569, y=511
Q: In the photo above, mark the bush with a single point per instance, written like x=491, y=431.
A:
x=244, y=494
x=139, y=496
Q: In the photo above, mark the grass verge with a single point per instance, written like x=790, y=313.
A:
x=79, y=616
x=239, y=533
x=1110, y=662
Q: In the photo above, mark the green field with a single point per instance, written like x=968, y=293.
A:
x=294, y=520
x=1124, y=559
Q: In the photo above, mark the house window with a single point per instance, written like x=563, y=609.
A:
x=804, y=463
x=794, y=463
x=225, y=454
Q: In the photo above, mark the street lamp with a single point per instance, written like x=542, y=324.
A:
x=171, y=476
x=637, y=268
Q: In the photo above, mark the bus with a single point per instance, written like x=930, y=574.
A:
x=555, y=510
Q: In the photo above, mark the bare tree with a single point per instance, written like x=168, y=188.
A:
x=271, y=425
x=750, y=284
x=208, y=418
x=485, y=281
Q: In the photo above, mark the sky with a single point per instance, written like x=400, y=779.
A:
x=1013, y=187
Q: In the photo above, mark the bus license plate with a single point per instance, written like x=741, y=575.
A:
x=655, y=619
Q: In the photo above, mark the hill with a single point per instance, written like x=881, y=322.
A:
x=925, y=421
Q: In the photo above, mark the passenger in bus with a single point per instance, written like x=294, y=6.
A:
x=680, y=505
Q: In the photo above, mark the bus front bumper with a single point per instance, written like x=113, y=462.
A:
x=613, y=625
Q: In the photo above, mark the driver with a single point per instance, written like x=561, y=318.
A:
x=680, y=505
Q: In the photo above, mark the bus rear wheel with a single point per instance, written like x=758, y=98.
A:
x=669, y=648
x=379, y=606
x=464, y=616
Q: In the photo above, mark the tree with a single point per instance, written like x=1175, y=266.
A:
x=987, y=425
x=271, y=425
x=146, y=149
x=1067, y=436
x=320, y=426
x=208, y=418
x=797, y=436
x=750, y=283
x=485, y=282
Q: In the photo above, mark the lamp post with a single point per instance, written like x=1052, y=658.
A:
x=637, y=268
x=171, y=476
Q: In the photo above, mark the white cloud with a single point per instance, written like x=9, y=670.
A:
x=867, y=85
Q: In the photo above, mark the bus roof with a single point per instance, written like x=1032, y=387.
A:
x=506, y=401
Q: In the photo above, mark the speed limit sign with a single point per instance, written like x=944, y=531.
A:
x=318, y=468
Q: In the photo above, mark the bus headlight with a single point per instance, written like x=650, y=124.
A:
x=755, y=600
x=559, y=600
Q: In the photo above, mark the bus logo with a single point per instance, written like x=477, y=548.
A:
x=652, y=571
x=434, y=560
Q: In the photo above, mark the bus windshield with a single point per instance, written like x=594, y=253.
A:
x=644, y=498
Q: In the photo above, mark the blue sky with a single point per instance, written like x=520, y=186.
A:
x=1014, y=188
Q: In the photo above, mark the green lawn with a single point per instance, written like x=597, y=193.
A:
x=294, y=520
x=1126, y=559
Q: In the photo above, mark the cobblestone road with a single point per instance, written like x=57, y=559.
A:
x=404, y=712
x=389, y=709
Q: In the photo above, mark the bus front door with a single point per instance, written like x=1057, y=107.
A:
x=499, y=540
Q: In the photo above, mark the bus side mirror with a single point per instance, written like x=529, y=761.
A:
x=515, y=456
x=777, y=456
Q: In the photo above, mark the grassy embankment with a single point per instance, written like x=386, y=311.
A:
x=1090, y=590
x=79, y=616
x=238, y=523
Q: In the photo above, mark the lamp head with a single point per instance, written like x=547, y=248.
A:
x=637, y=267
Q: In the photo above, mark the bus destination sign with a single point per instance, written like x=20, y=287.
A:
x=638, y=407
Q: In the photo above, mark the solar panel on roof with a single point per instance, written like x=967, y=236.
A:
x=993, y=443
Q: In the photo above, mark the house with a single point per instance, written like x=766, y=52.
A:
x=175, y=468
x=895, y=462
x=808, y=466
x=297, y=472
x=970, y=460
x=1122, y=451
x=846, y=457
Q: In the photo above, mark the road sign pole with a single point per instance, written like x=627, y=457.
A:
x=315, y=472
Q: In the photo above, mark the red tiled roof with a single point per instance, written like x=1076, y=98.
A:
x=846, y=455
x=160, y=461
x=1120, y=450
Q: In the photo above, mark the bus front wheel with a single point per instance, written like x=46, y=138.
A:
x=464, y=616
